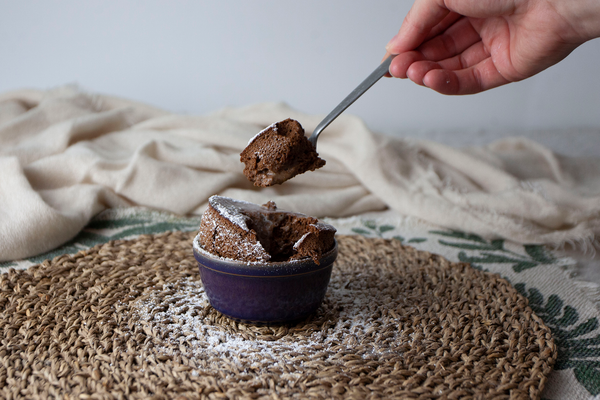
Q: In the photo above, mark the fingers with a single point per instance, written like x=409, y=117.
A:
x=450, y=19
x=472, y=71
x=429, y=18
x=485, y=8
x=456, y=39
x=468, y=58
x=440, y=46
x=401, y=63
x=475, y=79
x=459, y=48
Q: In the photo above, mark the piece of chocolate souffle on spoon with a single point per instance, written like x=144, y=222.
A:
x=278, y=153
x=281, y=151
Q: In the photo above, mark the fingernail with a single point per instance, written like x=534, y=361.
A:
x=392, y=40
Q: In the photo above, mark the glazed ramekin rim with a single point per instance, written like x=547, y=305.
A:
x=251, y=267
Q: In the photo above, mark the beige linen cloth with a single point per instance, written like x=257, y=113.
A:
x=66, y=155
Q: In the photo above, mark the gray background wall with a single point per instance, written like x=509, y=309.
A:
x=198, y=56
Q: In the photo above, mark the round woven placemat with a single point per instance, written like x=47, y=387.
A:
x=129, y=319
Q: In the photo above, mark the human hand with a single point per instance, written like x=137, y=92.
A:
x=469, y=46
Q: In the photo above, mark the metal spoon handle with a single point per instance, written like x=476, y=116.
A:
x=380, y=71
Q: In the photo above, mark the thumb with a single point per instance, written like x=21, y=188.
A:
x=417, y=25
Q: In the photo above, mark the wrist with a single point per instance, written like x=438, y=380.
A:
x=582, y=15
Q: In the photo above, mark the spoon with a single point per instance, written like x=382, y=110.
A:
x=380, y=71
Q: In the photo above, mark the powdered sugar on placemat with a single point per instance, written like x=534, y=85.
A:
x=180, y=314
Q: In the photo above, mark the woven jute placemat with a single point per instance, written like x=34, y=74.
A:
x=130, y=319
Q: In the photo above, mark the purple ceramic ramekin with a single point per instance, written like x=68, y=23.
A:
x=267, y=292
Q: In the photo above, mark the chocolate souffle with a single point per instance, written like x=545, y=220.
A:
x=244, y=231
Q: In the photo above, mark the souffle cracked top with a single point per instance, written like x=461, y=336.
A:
x=244, y=231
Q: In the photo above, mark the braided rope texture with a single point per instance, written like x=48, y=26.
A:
x=130, y=320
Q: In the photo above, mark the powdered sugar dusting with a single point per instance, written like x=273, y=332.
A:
x=272, y=126
x=183, y=321
x=186, y=324
x=299, y=242
x=230, y=209
x=322, y=226
x=250, y=248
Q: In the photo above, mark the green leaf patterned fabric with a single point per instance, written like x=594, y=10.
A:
x=537, y=274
